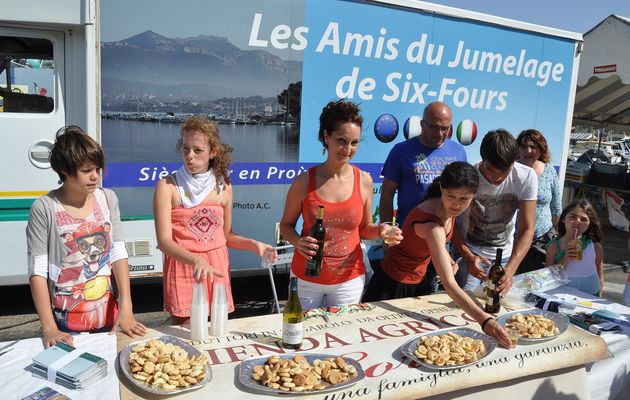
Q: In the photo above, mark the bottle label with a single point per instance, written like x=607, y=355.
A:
x=491, y=286
x=292, y=333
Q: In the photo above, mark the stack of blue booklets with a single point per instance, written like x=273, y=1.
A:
x=593, y=323
x=78, y=373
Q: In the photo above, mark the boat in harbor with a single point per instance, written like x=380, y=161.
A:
x=600, y=163
x=615, y=151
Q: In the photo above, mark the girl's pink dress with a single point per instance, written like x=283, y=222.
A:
x=199, y=230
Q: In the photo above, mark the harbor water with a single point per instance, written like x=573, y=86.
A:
x=140, y=141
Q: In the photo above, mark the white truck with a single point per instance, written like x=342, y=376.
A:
x=130, y=72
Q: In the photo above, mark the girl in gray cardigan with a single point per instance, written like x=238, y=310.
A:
x=75, y=242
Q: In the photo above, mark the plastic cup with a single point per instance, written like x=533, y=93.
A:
x=577, y=243
x=389, y=236
x=267, y=258
x=514, y=335
x=199, y=313
x=219, y=312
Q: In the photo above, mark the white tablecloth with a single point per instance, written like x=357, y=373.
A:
x=609, y=378
x=16, y=380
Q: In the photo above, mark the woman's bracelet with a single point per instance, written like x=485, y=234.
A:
x=483, y=324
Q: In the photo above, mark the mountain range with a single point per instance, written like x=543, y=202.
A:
x=201, y=67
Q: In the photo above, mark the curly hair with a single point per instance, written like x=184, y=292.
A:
x=222, y=160
x=539, y=140
x=336, y=113
x=594, y=230
x=73, y=148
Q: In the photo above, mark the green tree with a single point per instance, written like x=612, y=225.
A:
x=291, y=100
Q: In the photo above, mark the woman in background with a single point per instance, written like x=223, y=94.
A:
x=534, y=152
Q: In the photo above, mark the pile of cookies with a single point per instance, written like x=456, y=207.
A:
x=298, y=375
x=450, y=349
x=532, y=325
x=166, y=366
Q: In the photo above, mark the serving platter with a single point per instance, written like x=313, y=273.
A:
x=246, y=369
x=191, y=350
x=408, y=349
x=561, y=321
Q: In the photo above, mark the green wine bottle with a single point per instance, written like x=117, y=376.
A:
x=314, y=265
x=292, y=319
x=493, y=301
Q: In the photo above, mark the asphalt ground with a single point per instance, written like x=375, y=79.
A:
x=253, y=295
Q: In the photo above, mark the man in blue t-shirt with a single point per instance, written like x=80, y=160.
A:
x=412, y=165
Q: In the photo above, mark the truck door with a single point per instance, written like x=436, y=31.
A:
x=31, y=101
x=31, y=111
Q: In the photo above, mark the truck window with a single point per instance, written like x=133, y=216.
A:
x=27, y=73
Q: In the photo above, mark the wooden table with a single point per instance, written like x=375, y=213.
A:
x=372, y=335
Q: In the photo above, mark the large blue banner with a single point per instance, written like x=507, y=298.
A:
x=393, y=62
x=263, y=70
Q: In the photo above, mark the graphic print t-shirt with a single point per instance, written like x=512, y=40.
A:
x=79, y=264
x=489, y=221
x=414, y=166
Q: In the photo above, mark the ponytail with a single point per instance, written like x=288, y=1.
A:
x=434, y=189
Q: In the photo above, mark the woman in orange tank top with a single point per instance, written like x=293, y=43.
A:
x=426, y=230
x=346, y=194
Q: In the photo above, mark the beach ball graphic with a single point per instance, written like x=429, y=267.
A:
x=466, y=132
x=386, y=128
x=412, y=127
x=450, y=133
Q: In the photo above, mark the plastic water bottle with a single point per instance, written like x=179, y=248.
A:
x=219, y=311
x=199, y=312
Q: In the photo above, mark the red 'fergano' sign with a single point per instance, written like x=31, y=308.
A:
x=604, y=69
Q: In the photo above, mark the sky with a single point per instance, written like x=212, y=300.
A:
x=163, y=17
x=570, y=15
x=159, y=15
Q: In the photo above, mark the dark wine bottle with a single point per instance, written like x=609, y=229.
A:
x=493, y=301
x=314, y=265
x=292, y=319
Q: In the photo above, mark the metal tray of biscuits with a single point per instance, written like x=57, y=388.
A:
x=192, y=351
x=561, y=322
x=408, y=349
x=246, y=370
